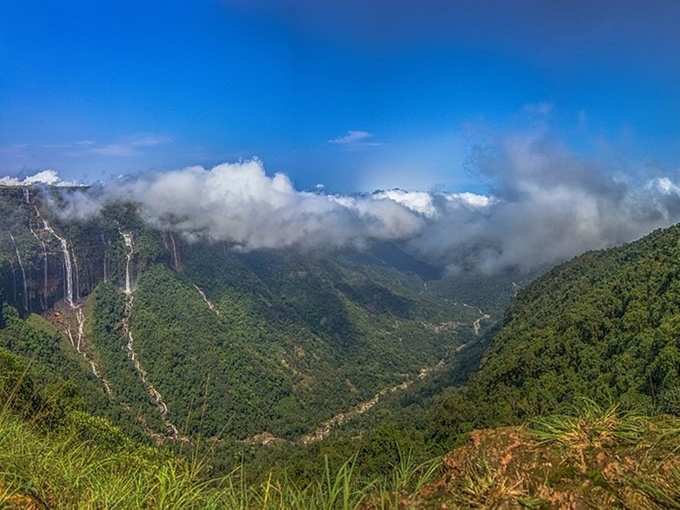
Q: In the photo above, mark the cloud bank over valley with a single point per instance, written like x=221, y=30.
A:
x=544, y=205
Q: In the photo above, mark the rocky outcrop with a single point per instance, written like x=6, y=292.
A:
x=603, y=464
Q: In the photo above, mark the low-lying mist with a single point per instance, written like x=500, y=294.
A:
x=543, y=205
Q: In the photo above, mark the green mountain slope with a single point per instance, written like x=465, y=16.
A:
x=605, y=325
x=196, y=338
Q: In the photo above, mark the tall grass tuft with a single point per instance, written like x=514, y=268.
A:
x=589, y=425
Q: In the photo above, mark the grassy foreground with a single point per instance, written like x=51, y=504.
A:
x=65, y=471
x=594, y=456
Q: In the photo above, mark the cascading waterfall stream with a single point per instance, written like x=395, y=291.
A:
x=212, y=307
x=80, y=318
x=45, y=265
x=14, y=280
x=23, y=271
x=477, y=323
x=129, y=246
x=175, y=258
x=129, y=302
x=77, y=342
x=325, y=428
x=68, y=287
x=76, y=277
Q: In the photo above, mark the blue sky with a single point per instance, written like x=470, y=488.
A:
x=355, y=95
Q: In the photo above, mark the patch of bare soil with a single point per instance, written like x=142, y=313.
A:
x=507, y=468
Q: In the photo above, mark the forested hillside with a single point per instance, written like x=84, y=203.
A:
x=186, y=337
x=605, y=325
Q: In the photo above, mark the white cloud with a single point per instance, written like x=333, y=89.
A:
x=546, y=205
x=664, y=185
x=417, y=201
x=433, y=205
x=45, y=177
x=241, y=204
x=354, y=137
x=468, y=199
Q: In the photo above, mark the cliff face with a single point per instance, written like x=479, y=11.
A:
x=44, y=260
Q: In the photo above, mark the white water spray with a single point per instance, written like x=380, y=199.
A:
x=155, y=395
x=212, y=307
x=67, y=259
x=175, y=259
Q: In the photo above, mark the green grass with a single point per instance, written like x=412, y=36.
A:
x=590, y=429
x=62, y=470
x=663, y=490
x=589, y=424
x=87, y=463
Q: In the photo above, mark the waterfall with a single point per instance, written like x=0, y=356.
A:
x=106, y=384
x=175, y=259
x=27, y=195
x=477, y=324
x=80, y=317
x=68, y=287
x=129, y=245
x=212, y=307
x=45, y=266
x=23, y=271
x=14, y=280
x=155, y=395
x=76, y=277
x=77, y=342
